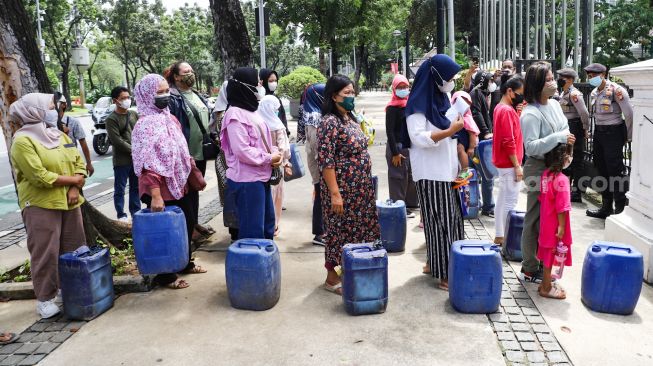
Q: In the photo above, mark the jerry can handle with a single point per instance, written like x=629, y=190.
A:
x=82, y=251
x=240, y=245
x=619, y=248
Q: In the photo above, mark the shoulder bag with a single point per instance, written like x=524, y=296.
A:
x=277, y=175
x=210, y=148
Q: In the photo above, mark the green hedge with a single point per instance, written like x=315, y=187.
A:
x=292, y=85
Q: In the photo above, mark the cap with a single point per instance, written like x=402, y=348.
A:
x=596, y=68
x=568, y=73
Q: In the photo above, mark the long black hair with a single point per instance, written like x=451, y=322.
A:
x=333, y=86
x=511, y=82
x=535, y=80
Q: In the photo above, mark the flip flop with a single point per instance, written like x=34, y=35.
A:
x=178, y=285
x=12, y=338
x=443, y=286
x=334, y=288
x=556, y=292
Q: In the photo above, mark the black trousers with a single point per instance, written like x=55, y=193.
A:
x=575, y=170
x=185, y=204
x=195, y=195
x=609, y=144
x=318, y=225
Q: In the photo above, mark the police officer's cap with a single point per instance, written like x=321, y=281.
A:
x=568, y=73
x=595, y=68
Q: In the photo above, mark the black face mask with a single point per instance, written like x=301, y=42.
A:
x=517, y=100
x=161, y=101
x=561, y=83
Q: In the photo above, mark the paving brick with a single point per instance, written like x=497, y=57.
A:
x=530, y=346
x=535, y=319
x=26, y=336
x=506, y=336
x=39, y=327
x=538, y=364
x=505, y=294
x=521, y=295
x=562, y=364
x=524, y=336
x=556, y=357
x=74, y=325
x=516, y=288
x=521, y=327
x=499, y=318
x=544, y=337
x=60, y=337
x=56, y=326
x=12, y=360
x=528, y=303
x=530, y=311
x=510, y=345
x=46, y=348
x=517, y=318
x=501, y=327
x=42, y=337
x=31, y=360
x=541, y=328
x=509, y=274
x=10, y=348
x=536, y=357
x=2, y=357
x=515, y=356
x=551, y=346
x=512, y=281
x=27, y=348
x=508, y=302
x=512, y=310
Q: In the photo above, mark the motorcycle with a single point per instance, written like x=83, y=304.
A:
x=101, y=110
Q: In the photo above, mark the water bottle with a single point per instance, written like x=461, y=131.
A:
x=559, y=261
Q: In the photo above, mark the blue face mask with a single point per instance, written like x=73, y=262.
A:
x=402, y=93
x=596, y=81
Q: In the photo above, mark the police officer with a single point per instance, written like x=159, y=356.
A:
x=608, y=102
x=573, y=105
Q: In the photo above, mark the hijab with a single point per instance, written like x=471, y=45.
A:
x=221, y=103
x=268, y=109
x=470, y=124
x=241, y=89
x=426, y=97
x=158, y=144
x=396, y=101
x=264, y=75
x=31, y=110
x=313, y=99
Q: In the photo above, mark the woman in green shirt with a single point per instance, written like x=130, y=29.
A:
x=49, y=175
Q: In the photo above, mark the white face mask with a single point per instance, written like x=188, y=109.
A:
x=568, y=161
x=125, y=104
x=272, y=86
x=51, y=118
x=261, y=92
x=447, y=87
x=492, y=87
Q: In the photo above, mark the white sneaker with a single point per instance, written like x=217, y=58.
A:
x=47, y=309
x=58, y=300
x=124, y=219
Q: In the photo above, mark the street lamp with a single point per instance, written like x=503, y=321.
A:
x=397, y=34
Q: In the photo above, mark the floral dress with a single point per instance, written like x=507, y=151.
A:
x=343, y=147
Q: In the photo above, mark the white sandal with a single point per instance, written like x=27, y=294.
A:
x=333, y=288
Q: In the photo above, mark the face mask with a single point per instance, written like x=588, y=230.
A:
x=347, y=103
x=402, y=93
x=261, y=92
x=272, y=86
x=492, y=87
x=596, y=81
x=161, y=101
x=51, y=118
x=447, y=87
x=549, y=89
x=189, y=80
x=125, y=104
x=561, y=83
x=517, y=100
x=568, y=160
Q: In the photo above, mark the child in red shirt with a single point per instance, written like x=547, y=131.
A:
x=555, y=201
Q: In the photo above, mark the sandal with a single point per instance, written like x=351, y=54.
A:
x=556, y=292
x=336, y=289
x=443, y=286
x=194, y=270
x=276, y=231
x=178, y=285
x=426, y=269
x=6, y=338
x=204, y=230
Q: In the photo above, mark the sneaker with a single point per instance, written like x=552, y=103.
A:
x=488, y=213
x=410, y=214
x=47, y=309
x=317, y=240
x=534, y=277
x=124, y=219
x=58, y=300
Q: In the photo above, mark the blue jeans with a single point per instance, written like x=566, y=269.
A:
x=487, y=186
x=122, y=174
x=255, y=209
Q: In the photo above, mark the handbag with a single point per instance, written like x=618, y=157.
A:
x=277, y=174
x=210, y=148
x=196, y=180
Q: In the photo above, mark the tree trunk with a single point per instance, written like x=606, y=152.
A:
x=323, y=66
x=65, y=84
x=360, y=49
x=230, y=34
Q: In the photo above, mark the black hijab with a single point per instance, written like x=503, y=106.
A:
x=241, y=89
x=264, y=74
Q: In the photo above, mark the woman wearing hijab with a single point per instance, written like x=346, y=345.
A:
x=349, y=208
x=434, y=159
x=49, y=175
x=400, y=176
x=268, y=109
x=270, y=81
x=247, y=143
x=221, y=105
x=162, y=162
x=311, y=119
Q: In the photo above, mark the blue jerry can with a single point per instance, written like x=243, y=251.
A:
x=512, y=236
x=484, y=153
x=475, y=276
x=160, y=241
x=392, y=221
x=253, y=272
x=298, y=169
x=364, y=279
x=469, y=196
x=86, y=282
x=612, y=277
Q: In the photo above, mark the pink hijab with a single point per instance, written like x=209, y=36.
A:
x=396, y=101
x=158, y=144
x=30, y=110
x=470, y=124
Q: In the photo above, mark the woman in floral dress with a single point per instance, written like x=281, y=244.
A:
x=348, y=204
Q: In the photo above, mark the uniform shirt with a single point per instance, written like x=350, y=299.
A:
x=37, y=168
x=573, y=106
x=609, y=104
x=543, y=128
x=430, y=160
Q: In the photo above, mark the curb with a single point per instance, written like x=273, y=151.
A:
x=121, y=284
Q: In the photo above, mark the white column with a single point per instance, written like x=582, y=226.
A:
x=634, y=226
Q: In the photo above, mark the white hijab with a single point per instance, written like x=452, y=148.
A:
x=267, y=109
x=221, y=103
x=31, y=110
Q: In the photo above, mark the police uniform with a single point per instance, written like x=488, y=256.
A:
x=574, y=108
x=611, y=131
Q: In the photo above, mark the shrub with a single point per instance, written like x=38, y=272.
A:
x=97, y=93
x=361, y=81
x=386, y=80
x=292, y=85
